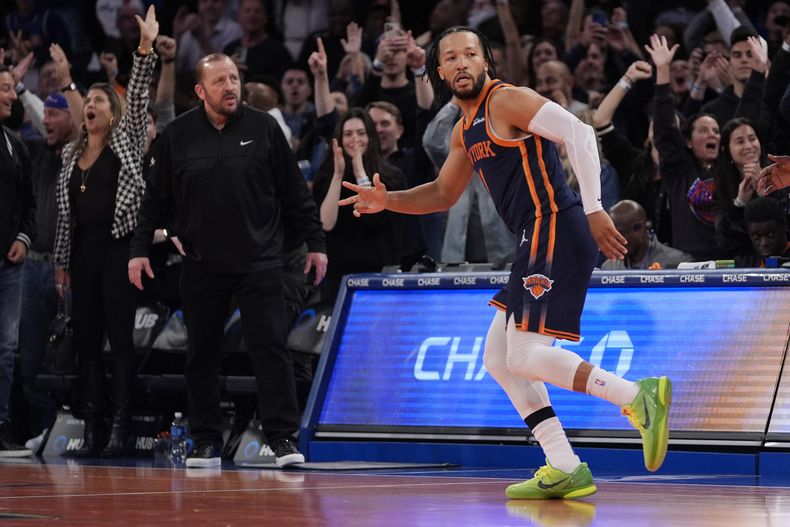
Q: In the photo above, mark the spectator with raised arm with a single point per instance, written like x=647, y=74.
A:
x=719, y=15
x=685, y=160
x=638, y=168
x=355, y=155
x=354, y=66
x=595, y=28
x=341, y=14
x=712, y=77
x=207, y=31
x=98, y=195
x=389, y=81
x=257, y=52
x=516, y=66
x=748, y=64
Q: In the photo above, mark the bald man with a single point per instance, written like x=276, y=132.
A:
x=555, y=82
x=644, y=250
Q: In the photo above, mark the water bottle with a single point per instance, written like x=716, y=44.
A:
x=178, y=436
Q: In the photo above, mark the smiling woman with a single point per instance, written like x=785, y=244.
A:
x=737, y=172
x=355, y=245
x=98, y=192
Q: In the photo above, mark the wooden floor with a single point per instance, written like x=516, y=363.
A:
x=73, y=494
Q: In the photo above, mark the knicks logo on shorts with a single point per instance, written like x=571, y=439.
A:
x=537, y=284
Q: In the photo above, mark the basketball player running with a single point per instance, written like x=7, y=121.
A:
x=506, y=136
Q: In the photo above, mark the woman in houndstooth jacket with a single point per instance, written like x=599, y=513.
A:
x=98, y=193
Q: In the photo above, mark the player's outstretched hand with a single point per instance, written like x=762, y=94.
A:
x=611, y=242
x=367, y=200
x=775, y=176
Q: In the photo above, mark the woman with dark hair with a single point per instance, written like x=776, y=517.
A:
x=686, y=159
x=98, y=193
x=638, y=168
x=355, y=245
x=737, y=172
x=543, y=50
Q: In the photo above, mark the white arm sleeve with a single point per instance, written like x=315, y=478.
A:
x=560, y=126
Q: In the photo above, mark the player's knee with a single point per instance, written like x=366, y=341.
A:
x=521, y=361
x=494, y=360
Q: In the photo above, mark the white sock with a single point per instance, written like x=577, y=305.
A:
x=555, y=445
x=610, y=387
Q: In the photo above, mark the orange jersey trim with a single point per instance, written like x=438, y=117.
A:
x=499, y=305
x=490, y=131
x=545, y=174
x=480, y=99
x=561, y=334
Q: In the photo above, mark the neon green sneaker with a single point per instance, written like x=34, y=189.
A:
x=550, y=482
x=648, y=413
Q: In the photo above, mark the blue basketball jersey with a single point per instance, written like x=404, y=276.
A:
x=556, y=253
x=524, y=176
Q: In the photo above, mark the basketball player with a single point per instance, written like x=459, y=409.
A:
x=507, y=136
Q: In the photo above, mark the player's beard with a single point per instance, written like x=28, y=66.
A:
x=473, y=91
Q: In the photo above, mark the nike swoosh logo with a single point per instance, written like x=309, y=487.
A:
x=646, y=424
x=245, y=143
x=542, y=485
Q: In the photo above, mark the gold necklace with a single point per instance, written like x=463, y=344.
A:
x=84, y=177
x=85, y=173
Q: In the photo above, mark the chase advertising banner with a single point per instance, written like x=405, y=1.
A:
x=409, y=351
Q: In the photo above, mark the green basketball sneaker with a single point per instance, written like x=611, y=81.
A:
x=550, y=482
x=648, y=413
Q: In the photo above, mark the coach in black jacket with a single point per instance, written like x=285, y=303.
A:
x=224, y=177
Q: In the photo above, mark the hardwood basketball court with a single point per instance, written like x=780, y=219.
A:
x=64, y=492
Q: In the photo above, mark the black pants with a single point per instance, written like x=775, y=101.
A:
x=103, y=299
x=206, y=301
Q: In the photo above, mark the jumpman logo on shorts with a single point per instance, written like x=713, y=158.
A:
x=524, y=238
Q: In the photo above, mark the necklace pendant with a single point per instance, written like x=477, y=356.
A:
x=82, y=188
